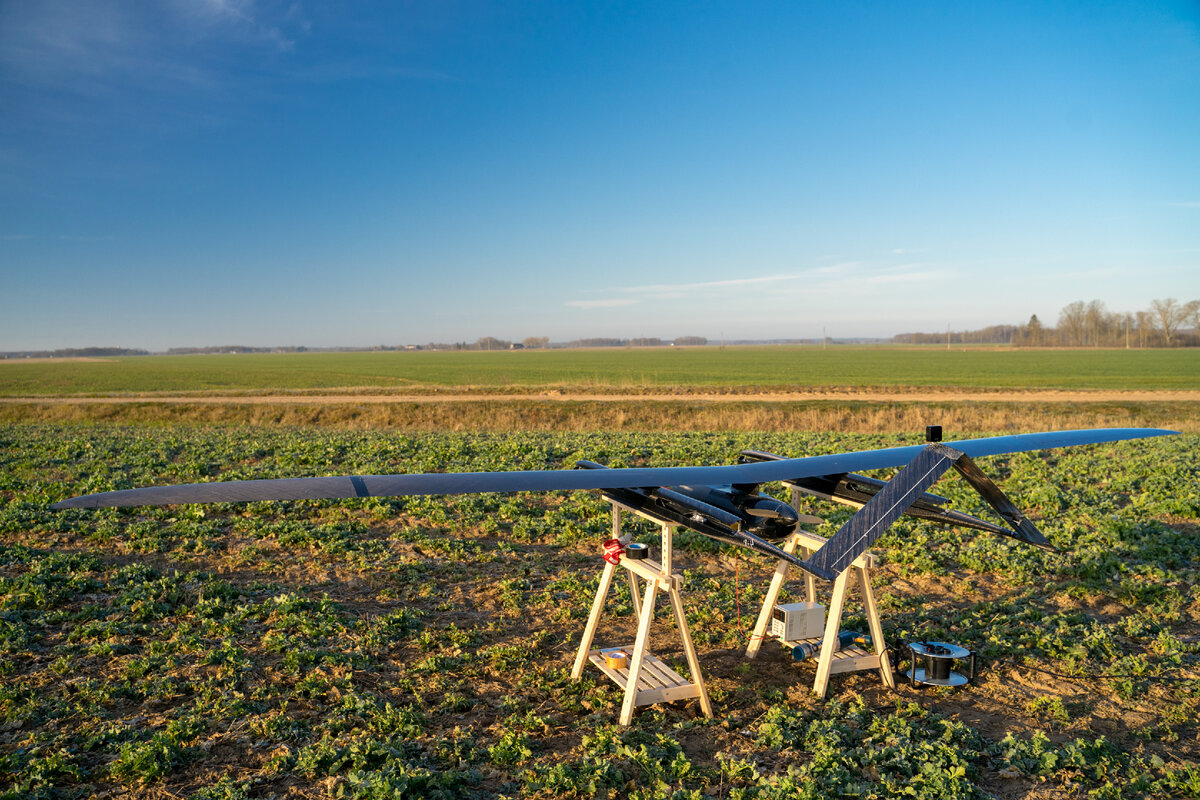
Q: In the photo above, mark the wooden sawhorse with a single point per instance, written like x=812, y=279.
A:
x=831, y=660
x=646, y=679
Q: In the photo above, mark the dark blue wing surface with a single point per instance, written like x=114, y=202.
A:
x=572, y=479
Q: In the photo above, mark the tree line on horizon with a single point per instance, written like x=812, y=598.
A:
x=77, y=352
x=1166, y=323
x=543, y=343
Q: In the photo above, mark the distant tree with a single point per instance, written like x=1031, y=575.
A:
x=1034, y=330
x=992, y=334
x=1170, y=314
x=539, y=342
x=96, y=352
x=491, y=343
x=1145, y=327
x=1086, y=324
x=1072, y=323
x=1096, y=322
x=690, y=341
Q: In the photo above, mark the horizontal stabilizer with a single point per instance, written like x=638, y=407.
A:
x=901, y=493
x=1022, y=528
x=857, y=490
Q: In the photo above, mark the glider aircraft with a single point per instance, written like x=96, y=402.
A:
x=722, y=502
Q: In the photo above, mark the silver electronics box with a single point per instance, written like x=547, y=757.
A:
x=796, y=621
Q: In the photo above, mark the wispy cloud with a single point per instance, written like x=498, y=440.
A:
x=658, y=292
x=906, y=275
x=89, y=47
x=831, y=280
x=816, y=279
x=611, y=302
x=729, y=283
x=244, y=20
x=841, y=268
x=803, y=279
x=1077, y=276
x=364, y=68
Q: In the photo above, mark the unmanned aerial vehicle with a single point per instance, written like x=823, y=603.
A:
x=722, y=502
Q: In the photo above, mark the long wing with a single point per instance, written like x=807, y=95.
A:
x=549, y=480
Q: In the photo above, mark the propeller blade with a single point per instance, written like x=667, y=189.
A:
x=765, y=513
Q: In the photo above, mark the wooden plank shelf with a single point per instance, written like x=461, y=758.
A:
x=849, y=659
x=657, y=683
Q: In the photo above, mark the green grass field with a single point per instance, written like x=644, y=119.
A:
x=421, y=647
x=759, y=367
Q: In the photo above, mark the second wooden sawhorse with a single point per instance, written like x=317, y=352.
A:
x=831, y=660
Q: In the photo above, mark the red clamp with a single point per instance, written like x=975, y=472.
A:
x=613, y=550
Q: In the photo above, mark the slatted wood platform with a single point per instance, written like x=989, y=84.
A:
x=848, y=659
x=657, y=683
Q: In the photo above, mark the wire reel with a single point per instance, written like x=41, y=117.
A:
x=935, y=660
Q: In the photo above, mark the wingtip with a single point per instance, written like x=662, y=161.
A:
x=70, y=502
x=1145, y=433
x=94, y=500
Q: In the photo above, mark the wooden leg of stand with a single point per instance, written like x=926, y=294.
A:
x=589, y=632
x=764, y=616
x=810, y=582
x=872, y=611
x=690, y=651
x=832, y=624
x=665, y=547
x=633, y=594
x=639, y=653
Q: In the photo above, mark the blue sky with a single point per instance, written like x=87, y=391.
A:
x=225, y=172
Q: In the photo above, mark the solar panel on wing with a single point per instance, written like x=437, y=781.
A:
x=869, y=523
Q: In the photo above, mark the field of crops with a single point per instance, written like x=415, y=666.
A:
x=421, y=647
x=743, y=367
